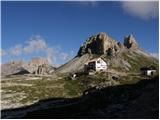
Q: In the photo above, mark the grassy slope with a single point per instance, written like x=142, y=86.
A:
x=135, y=60
x=24, y=91
x=29, y=91
x=76, y=64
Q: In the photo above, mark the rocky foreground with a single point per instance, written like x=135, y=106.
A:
x=140, y=100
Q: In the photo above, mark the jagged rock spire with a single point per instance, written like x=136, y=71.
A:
x=130, y=42
x=97, y=44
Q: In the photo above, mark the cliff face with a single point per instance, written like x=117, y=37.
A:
x=34, y=64
x=97, y=44
x=44, y=69
x=130, y=42
x=37, y=61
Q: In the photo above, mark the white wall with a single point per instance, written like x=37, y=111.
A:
x=101, y=66
x=149, y=72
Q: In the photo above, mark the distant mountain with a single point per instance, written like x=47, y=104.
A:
x=34, y=66
x=45, y=69
x=123, y=57
x=12, y=67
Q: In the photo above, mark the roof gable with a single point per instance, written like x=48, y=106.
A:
x=148, y=68
x=95, y=59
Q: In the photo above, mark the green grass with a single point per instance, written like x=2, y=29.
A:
x=74, y=88
x=139, y=61
x=43, y=89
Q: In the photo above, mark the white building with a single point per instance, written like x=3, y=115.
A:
x=97, y=64
x=148, y=71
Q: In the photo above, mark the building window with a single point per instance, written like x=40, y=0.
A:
x=98, y=61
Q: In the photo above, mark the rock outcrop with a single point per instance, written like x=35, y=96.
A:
x=34, y=64
x=103, y=44
x=130, y=42
x=40, y=66
x=37, y=61
x=97, y=44
x=44, y=69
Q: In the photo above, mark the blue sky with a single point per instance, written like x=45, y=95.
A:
x=59, y=28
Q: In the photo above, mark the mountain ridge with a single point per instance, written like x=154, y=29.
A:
x=32, y=67
x=121, y=56
x=124, y=57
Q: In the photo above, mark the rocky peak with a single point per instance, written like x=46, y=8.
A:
x=44, y=69
x=11, y=67
x=37, y=61
x=36, y=65
x=104, y=44
x=102, y=36
x=18, y=62
x=97, y=44
x=130, y=42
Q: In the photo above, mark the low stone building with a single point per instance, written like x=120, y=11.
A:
x=148, y=71
x=97, y=64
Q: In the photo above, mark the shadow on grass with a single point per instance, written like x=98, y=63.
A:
x=140, y=100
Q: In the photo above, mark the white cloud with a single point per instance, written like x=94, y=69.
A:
x=35, y=44
x=64, y=56
x=16, y=50
x=38, y=44
x=143, y=9
x=60, y=55
x=72, y=53
x=155, y=55
x=50, y=54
